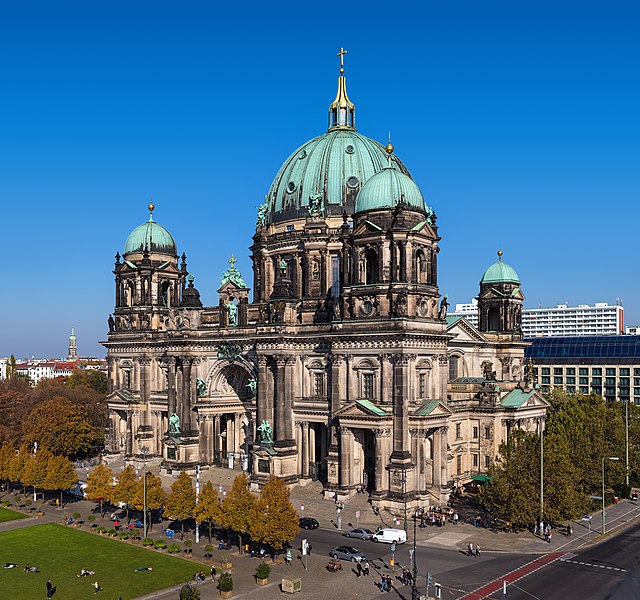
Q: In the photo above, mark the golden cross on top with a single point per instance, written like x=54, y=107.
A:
x=341, y=55
x=232, y=262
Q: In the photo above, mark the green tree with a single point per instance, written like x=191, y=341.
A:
x=125, y=487
x=60, y=426
x=61, y=475
x=181, y=500
x=238, y=507
x=274, y=521
x=208, y=508
x=12, y=370
x=155, y=496
x=100, y=485
x=89, y=378
x=35, y=470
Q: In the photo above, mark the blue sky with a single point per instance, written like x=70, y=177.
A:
x=518, y=120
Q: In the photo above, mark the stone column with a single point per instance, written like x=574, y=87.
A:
x=299, y=275
x=437, y=458
x=444, y=466
x=443, y=375
x=323, y=272
x=237, y=428
x=280, y=408
x=171, y=384
x=216, y=437
x=386, y=382
x=185, y=400
x=263, y=374
x=400, y=408
x=346, y=456
x=382, y=437
x=336, y=362
x=403, y=261
x=129, y=434
x=288, y=398
x=305, y=448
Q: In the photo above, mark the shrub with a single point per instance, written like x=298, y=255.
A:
x=173, y=548
x=112, y=532
x=262, y=571
x=17, y=499
x=76, y=516
x=101, y=529
x=124, y=535
x=91, y=518
x=28, y=502
x=147, y=541
x=159, y=544
x=188, y=543
x=189, y=593
x=208, y=549
x=225, y=582
x=135, y=533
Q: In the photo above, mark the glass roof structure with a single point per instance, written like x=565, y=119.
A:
x=585, y=349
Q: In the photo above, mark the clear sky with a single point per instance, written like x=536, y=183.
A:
x=518, y=120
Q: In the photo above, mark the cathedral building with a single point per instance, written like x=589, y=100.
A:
x=342, y=365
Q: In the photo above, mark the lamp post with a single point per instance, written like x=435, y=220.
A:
x=541, y=423
x=404, y=495
x=604, y=522
x=144, y=503
x=626, y=442
x=414, y=584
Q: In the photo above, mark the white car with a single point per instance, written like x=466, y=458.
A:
x=388, y=535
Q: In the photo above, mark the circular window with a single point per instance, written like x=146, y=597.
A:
x=291, y=187
x=367, y=307
x=353, y=181
x=302, y=154
x=350, y=149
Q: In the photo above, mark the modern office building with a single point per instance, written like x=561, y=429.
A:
x=608, y=365
x=563, y=320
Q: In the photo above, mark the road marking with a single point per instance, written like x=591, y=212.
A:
x=585, y=564
x=512, y=576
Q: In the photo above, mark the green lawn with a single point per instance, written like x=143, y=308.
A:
x=10, y=515
x=61, y=552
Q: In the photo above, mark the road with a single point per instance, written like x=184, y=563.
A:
x=450, y=567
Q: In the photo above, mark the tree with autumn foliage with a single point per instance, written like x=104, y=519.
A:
x=274, y=520
x=60, y=426
x=125, y=487
x=238, y=507
x=7, y=451
x=181, y=500
x=35, y=470
x=156, y=496
x=100, y=486
x=61, y=475
x=17, y=463
x=208, y=509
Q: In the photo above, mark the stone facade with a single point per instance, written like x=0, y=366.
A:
x=345, y=352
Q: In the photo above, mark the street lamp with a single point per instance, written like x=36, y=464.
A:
x=414, y=584
x=604, y=523
x=144, y=503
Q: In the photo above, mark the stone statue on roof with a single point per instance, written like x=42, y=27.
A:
x=262, y=214
x=316, y=208
x=174, y=425
x=233, y=275
x=266, y=433
x=232, y=309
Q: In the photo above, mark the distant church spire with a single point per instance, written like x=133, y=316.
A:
x=73, y=352
x=342, y=112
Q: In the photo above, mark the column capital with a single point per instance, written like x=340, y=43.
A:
x=304, y=425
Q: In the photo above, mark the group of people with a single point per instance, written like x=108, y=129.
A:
x=386, y=584
x=473, y=550
x=362, y=567
x=200, y=577
x=437, y=517
x=407, y=577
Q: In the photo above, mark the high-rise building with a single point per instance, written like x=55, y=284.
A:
x=562, y=320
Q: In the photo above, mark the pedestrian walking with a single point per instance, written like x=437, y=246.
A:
x=389, y=584
x=383, y=583
x=308, y=548
x=96, y=587
x=213, y=573
x=365, y=568
x=470, y=549
x=477, y=549
x=49, y=588
x=455, y=518
x=549, y=536
x=288, y=557
x=569, y=530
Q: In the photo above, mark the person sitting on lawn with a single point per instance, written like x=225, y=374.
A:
x=10, y=565
x=85, y=573
x=143, y=569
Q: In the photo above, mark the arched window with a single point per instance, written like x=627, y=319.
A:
x=493, y=318
x=164, y=294
x=128, y=293
x=421, y=267
x=371, y=266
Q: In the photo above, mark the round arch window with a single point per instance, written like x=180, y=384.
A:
x=291, y=187
x=353, y=182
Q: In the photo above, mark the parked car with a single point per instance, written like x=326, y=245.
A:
x=347, y=553
x=308, y=523
x=388, y=535
x=361, y=534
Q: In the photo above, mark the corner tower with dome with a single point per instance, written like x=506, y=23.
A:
x=340, y=367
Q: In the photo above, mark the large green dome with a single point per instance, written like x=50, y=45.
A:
x=388, y=189
x=334, y=165
x=151, y=236
x=500, y=272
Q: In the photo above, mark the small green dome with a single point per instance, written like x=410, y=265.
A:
x=152, y=236
x=500, y=272
x=388, y=189
x=333, y=166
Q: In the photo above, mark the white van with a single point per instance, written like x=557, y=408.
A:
x=388, y=535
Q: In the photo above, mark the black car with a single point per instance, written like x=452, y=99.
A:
x=308, y=523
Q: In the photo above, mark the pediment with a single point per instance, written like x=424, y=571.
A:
x=366, y=226
x=231, y=287
x=432, y=409
x=362, y=408
x=465, y=332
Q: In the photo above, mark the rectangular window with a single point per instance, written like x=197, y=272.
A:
x=624, y=381
x=610, y=381
x=636, y=381
x=475, y=433
x=610, y=391
x=596, y=371
x=571, y=380
x=557, y=380
x=571, y=371
x=335, y=276
x=487, y=461
x=584, y=389
x=611, y=372
x=459, y=463
x=476, y=460
x=368, y=390
x=487, y=433
x=422, y=385
x=582, y=371
x=458, y=431
x=546, y=371
x=624, y=372
x=318, y=384
x=546, y=380
x=584, y=380
x=557, y=371
x=571, y=389
x=636, y=372
x=596, y=381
